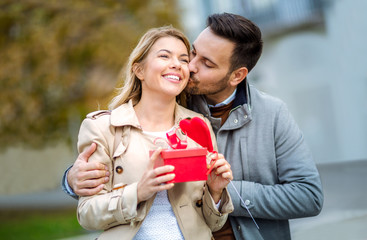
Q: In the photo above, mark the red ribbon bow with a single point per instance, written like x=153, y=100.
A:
x=198, y=130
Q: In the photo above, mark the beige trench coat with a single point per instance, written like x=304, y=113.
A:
x=116, y=211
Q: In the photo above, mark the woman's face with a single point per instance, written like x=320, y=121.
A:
x=165, y=69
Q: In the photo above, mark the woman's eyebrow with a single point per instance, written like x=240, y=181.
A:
x=170, y=52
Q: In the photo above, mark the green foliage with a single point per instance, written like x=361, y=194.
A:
x=59, y=58
x=39, y=225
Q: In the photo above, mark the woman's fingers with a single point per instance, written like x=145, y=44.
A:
x=155, y=179
x=162, y=170
x=223, y=168
x=154, y=157
x=164, y=178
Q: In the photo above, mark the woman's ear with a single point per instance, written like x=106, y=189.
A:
x=238, y=76
x=138, y=70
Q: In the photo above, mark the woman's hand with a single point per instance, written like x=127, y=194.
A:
x=219, y=177
x=151, y=181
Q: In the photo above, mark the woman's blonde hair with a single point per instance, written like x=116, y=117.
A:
x=132, y=85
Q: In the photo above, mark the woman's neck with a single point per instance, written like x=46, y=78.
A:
x=155, y=114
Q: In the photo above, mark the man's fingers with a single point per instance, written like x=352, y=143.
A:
x=89, y=191
x=85, y=155
x=93, y=174
x=90, y=166
x=91, y=183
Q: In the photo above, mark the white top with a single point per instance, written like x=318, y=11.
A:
x=161, y=222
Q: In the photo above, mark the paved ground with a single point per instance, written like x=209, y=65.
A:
x=344, y=215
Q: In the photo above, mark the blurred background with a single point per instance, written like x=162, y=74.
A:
x=60, y=60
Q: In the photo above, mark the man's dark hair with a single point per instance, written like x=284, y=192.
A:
x=243, y=33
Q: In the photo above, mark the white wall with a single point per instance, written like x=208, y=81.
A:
x=322, y=76
x=320, y=73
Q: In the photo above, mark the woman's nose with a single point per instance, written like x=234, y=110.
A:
x=175, y=63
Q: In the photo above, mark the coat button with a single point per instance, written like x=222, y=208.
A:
x=235, y=121
x=245, y=117
x=119, y=169
x=199, y=203
x=247, y=202
x=239, y=228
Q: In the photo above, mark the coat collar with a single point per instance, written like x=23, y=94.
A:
x=243, y=95
x=124, y=115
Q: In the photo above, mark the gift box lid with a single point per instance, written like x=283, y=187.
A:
x=179, y=153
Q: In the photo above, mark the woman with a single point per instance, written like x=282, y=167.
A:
x=136, y=203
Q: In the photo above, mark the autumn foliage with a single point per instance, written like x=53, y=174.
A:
x=61, y=59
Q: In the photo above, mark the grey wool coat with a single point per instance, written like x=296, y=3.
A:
x=273, y=168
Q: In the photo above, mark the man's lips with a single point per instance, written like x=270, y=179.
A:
x=193, y=79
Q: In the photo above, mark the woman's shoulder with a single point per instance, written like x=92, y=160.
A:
x=98, y=114
x=99, y=119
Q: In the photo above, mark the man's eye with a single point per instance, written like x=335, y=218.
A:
x=207, y=65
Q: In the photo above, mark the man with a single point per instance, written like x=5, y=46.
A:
x=272, y=167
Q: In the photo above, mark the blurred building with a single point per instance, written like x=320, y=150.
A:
x=314, y=59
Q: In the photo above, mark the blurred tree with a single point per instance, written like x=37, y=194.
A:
x=61, y=58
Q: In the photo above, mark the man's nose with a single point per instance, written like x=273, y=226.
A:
x=192, y=65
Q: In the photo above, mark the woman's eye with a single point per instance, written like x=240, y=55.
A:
x=185, y=60
x=163, y=56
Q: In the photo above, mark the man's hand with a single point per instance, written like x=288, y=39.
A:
x=86, y=178
x=219, y=177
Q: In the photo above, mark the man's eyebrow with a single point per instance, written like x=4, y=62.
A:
x=168, y=51
x=205, y=58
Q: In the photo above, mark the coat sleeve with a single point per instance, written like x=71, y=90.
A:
x=216, y=218
x=109, y=207
x=298, y=192
x=65, y=185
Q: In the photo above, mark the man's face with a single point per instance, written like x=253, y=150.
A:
x=209, y=66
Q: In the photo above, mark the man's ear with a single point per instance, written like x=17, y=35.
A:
x=238, y=76
x=138, y=70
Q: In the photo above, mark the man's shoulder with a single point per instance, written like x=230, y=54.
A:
x=260, y=99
